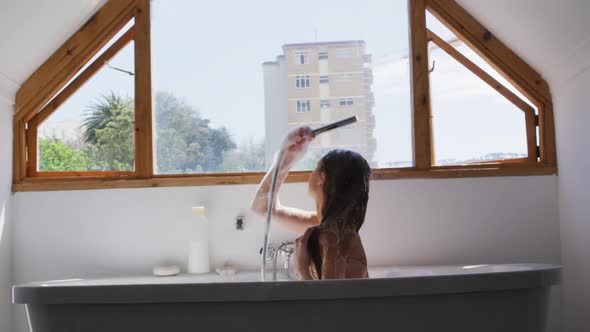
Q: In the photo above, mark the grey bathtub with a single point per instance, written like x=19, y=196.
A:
x=437, y=298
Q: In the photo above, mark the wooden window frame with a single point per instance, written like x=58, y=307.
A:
x=40, y=95
x=529, y=112
x=37, y=119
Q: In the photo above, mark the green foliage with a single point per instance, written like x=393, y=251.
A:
x=98, y=115
x=107, y=135
x=115, y=141
x=55, y=155
x=248, y=158
x=184, y=141
x=171, y=152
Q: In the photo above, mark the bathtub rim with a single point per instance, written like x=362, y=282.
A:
x=541, y=275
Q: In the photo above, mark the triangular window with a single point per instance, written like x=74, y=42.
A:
x=88, y=126
x=477, y=116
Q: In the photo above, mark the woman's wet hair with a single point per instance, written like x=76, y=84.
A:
x=346, y=193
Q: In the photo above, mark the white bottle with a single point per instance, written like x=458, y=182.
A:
x=198, y=256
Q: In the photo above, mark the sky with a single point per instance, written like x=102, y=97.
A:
x=210, y=54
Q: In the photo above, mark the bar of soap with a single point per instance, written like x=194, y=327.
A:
x=166, y=270
x=226, y=271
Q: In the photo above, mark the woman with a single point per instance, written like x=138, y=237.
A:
x=330, y=247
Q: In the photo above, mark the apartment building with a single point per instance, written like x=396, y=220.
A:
x=317, y=83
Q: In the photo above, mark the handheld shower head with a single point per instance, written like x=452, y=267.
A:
x=334, y=125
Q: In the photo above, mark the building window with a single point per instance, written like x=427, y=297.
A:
x=344, y=53
x=302, y=57
x=323, y=56
x=303, y=106
x=344, y=78
x=302, y=81
x=324, y=80
x=324, y=103
x=346, y=101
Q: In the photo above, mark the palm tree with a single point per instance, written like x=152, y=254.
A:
x=100, y=113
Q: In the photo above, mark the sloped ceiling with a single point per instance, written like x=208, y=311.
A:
x=31, y=30
x=552, y=36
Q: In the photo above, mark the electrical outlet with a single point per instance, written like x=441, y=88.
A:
x=240, y=223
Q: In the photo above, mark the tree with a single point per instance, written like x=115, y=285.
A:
x=249, y=157
x=115, y=141
x=107, y=130
x=185, y=143
x=171, y=151
x=99, y=114
x=57, y=156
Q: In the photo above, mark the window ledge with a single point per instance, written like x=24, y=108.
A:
x=439, y=172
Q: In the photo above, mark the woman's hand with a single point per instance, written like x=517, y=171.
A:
x=296, y=143
x=302, y=260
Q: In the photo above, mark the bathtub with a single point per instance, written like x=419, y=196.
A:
x=479, y=298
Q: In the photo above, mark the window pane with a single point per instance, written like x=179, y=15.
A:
x=443, y=32
x=471, y=121
x=241, y=89
x=94, y=129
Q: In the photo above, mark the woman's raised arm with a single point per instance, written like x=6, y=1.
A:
x=294, y=147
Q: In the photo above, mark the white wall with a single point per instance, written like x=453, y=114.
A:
x=126, y=231
x=562, y=55
x=5, y=213
x=30, y=32
x=572, y=125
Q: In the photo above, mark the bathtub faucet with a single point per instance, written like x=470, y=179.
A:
x=285, y=250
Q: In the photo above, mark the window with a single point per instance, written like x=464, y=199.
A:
x=216, y=85
x=346, y=101
x=473, y=122
x=88, y=127
x=345, y=78
x=303, y=106
x=194, y=117
x=302, y=81
x=302, y=57
x=344, y=53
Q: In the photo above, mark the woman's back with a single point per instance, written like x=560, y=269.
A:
x=356, y=262
x=342, y=254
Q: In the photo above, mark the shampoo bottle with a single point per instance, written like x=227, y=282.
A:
x=198, y=256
